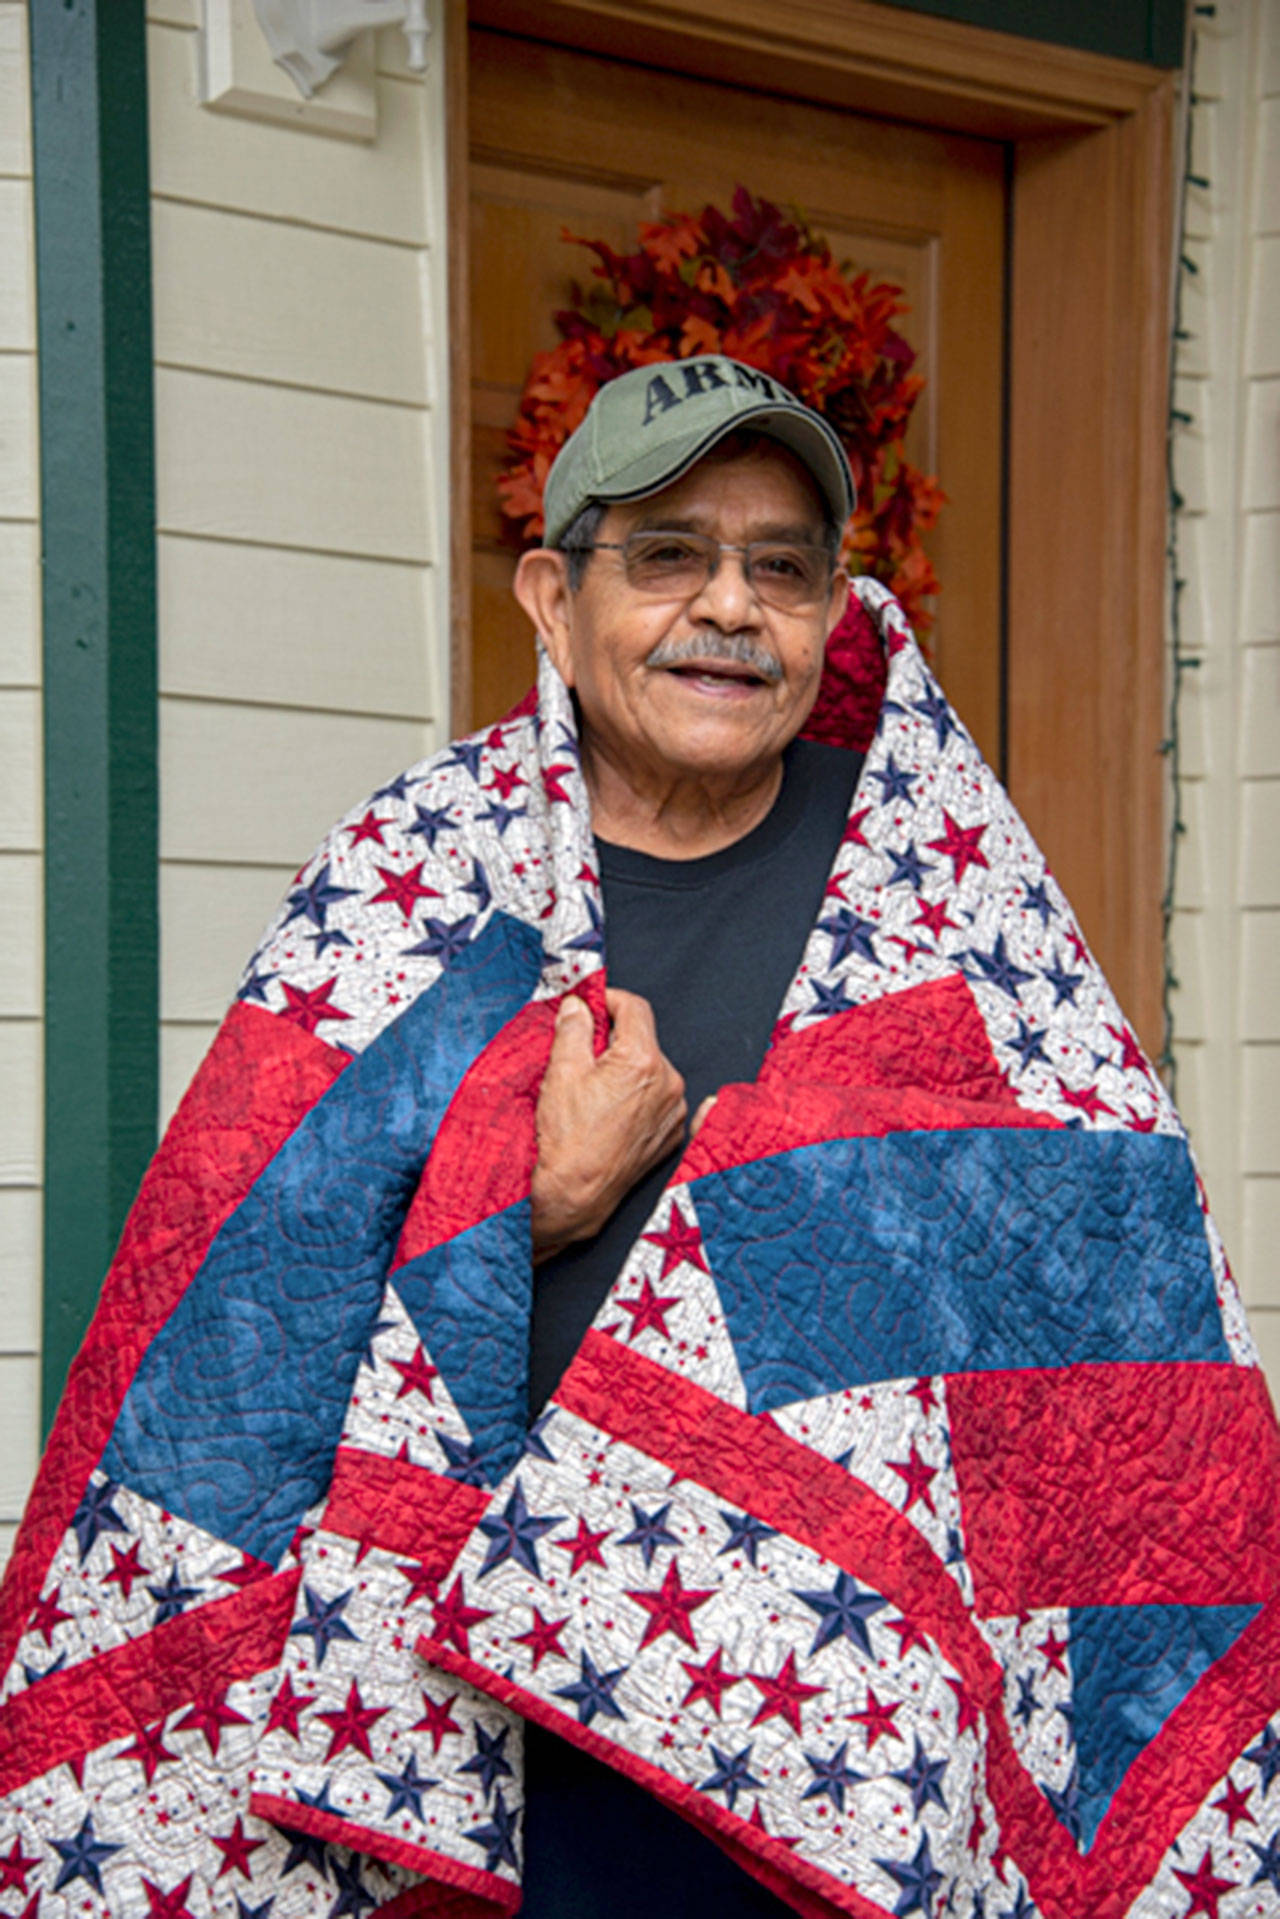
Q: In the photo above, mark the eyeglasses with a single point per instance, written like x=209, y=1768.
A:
x=791, y=576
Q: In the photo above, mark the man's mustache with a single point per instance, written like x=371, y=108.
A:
x=740, y=649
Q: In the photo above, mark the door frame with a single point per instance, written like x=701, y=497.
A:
x=1091, y=143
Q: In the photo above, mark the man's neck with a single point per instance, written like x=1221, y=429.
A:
x=678, y=817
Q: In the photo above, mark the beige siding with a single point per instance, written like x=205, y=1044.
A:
x=302, y=494
x=21, y=867
x=1227, y=929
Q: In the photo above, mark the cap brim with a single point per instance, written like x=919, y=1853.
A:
x=804, y=435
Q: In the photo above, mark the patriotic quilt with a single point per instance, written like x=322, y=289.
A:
x=908, y=1518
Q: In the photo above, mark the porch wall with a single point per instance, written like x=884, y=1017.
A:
x=1227, y=465
x=302, y=494
x=21, y=863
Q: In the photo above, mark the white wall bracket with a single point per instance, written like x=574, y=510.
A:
x=304, y=63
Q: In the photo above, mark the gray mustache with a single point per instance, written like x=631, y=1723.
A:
x=740, y=649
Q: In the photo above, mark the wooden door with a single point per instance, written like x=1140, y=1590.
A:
x=561, y=138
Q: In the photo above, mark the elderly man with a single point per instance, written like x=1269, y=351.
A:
x=686, y=593
x=859, y=1499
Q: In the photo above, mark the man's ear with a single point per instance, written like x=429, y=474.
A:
x=542, y=587
x=841, y=587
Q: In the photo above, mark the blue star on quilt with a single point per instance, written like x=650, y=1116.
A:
x=488, y=1761
x=324, y=1622
x=498, y=1838
x=314, y=900
x=514, y=1534
x=83, y=1857
x=831, y=1776
x=593, y=1692
x=923, y=1779
x=649, y=1532
x=731, y=1775
x=843, y=1612
x=405, y=1789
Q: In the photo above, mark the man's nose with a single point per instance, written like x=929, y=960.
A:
x=728, y=599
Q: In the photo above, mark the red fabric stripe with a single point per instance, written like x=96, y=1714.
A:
x=402, y=1508
x=195, y=1656
x=487, y=1892
x=752, y=1463
x=804, y=1887
x=1117, y=1485
x=483, y=1156
x=916, y=1061
x=259, y=1079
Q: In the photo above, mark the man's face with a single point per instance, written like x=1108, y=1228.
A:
x=699, y=716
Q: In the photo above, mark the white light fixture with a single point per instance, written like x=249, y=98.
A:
x=309, y=38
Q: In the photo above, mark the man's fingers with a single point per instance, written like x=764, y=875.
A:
x=633, y=1023
x=703, y=1109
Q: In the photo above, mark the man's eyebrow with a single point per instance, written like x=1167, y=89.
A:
x=799, y=533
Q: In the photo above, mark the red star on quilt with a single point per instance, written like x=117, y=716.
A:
x=960, y=844
x=1055, y=1652
x=1205, y=1887
x=1235, y=1804
x=925, y=1392
x=583, y=1548
x=648, y=1309
x=369, y=828
x=403, y=889
x=966, y=1707
x=543, y=1637
x=709, y=1681
x=670, y=1608
x=454, y=1618
x=679, y=1242
x=853, y=835
x=211, y=1717
x=917, y=1477
x=933, y=917
x=782, y=1694
x=16, y=1868
x=878, y=1717
x=504, y=780
x=47, y=1613
x=436, y=1718
x=150, y=1750
x=1130, y=1051
x=171, y=1904
x=282, y=1713
x=551, y=784
x=421, y=1584
x=1089, y=1099
x=126, y=1568
x=235, y=1849
x=352, y=1724
x=309, y=1009
x=416, y=1375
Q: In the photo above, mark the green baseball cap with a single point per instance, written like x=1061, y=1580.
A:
x=649, y=426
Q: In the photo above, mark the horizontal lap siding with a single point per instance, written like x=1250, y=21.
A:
x=1227, y=927
x=301, y=496
x=21, y=863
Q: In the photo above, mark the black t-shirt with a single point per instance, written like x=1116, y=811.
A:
x=712, y=944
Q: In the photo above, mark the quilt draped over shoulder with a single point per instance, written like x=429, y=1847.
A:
x=908, y=1518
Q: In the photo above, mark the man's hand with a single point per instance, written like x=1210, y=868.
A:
x=603, y=1123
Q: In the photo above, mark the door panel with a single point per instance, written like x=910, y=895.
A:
x=564, y=139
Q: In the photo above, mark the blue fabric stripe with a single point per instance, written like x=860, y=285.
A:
x=233, y=1417
x=470, y=1301
x=1032, y=1249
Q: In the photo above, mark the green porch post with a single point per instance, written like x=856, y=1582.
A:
x=93, y=265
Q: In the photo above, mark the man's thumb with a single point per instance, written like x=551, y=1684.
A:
x=575, y=1029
